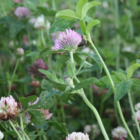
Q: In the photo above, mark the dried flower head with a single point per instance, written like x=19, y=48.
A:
x=35, y=83
x=1, y=135
x=119, y=133
x=68, y=40
x=8, y=108
x=22, y=12
x=38, y=64
x=77, y=136
x=94, y=128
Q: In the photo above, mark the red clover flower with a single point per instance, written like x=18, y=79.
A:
x=68, y=40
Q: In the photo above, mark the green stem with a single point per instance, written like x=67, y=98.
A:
x=53, y=4
x=133, y=112
x=15, y=130
x=90, y=105
x=113, y=87
x=97, y=116
x=13, y=75
x=22, y=128
x=43, y=39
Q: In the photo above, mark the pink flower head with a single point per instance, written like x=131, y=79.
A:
x=68, y=40
x=17, y=1
x=8, y=108
x=22, y=12
x=119, y=133
x=77, y=136
x=46, y=114
x=20, y=51
x=38, y=64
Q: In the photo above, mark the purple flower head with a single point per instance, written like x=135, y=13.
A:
x=22, y=12
x=38, y=64
x=68, y=40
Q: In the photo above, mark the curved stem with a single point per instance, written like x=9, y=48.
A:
x=10, y=82
x=113, y=87
x=97, y=116
x=82, y=94
x=15, y=130
x=133, y=112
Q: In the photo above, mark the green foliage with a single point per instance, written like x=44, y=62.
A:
x=121, y=89
x=71, y=69
x=61, y=25
x=131, y=69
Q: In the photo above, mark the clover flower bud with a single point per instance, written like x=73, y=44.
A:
x=8, y=108
x=94, y=128
x=119, y=133
x=68, y=40
x=38, y=64
x=35, y=83
x=19, y=52
x=69, y=81
x=77, y=136
x=22, y=12
x=1, y=135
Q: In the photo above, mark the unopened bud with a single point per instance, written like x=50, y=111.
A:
x=19, y=52
x=69, y=81
x=35, y=83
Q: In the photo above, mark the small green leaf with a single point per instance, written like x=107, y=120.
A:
x=52, y=92
x=35, y=53
x=79, y=7
x=44, y=126
x=50, y=76
x=87, y=19
x=67, y=14
x=43, y=102
x=131, y=69
x=37, y=117
x=91, y=24
x=48, y=84
x=87, y=6
x=121, y=89
x=61, y=25
x=94, y=57
x=24, y=101
x=82, y=26
x=86, y=82
x=71, y=69
x=108, y=94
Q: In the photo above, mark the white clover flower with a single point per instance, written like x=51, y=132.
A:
x=119, y=133
x=22, y=12
x=77, y=136
x=41, y=22
x=1, y=135
x=94, y=128
x=137, y=114
x=137, y=106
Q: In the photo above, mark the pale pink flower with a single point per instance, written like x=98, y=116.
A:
x=137, y=114
x=68, y=40
x=17, y=1
x=77, y=136
x=119, y=133
x=20, y=51
x=25, y=40
x=8, y=108
x=94, y=128
x=22, y=12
